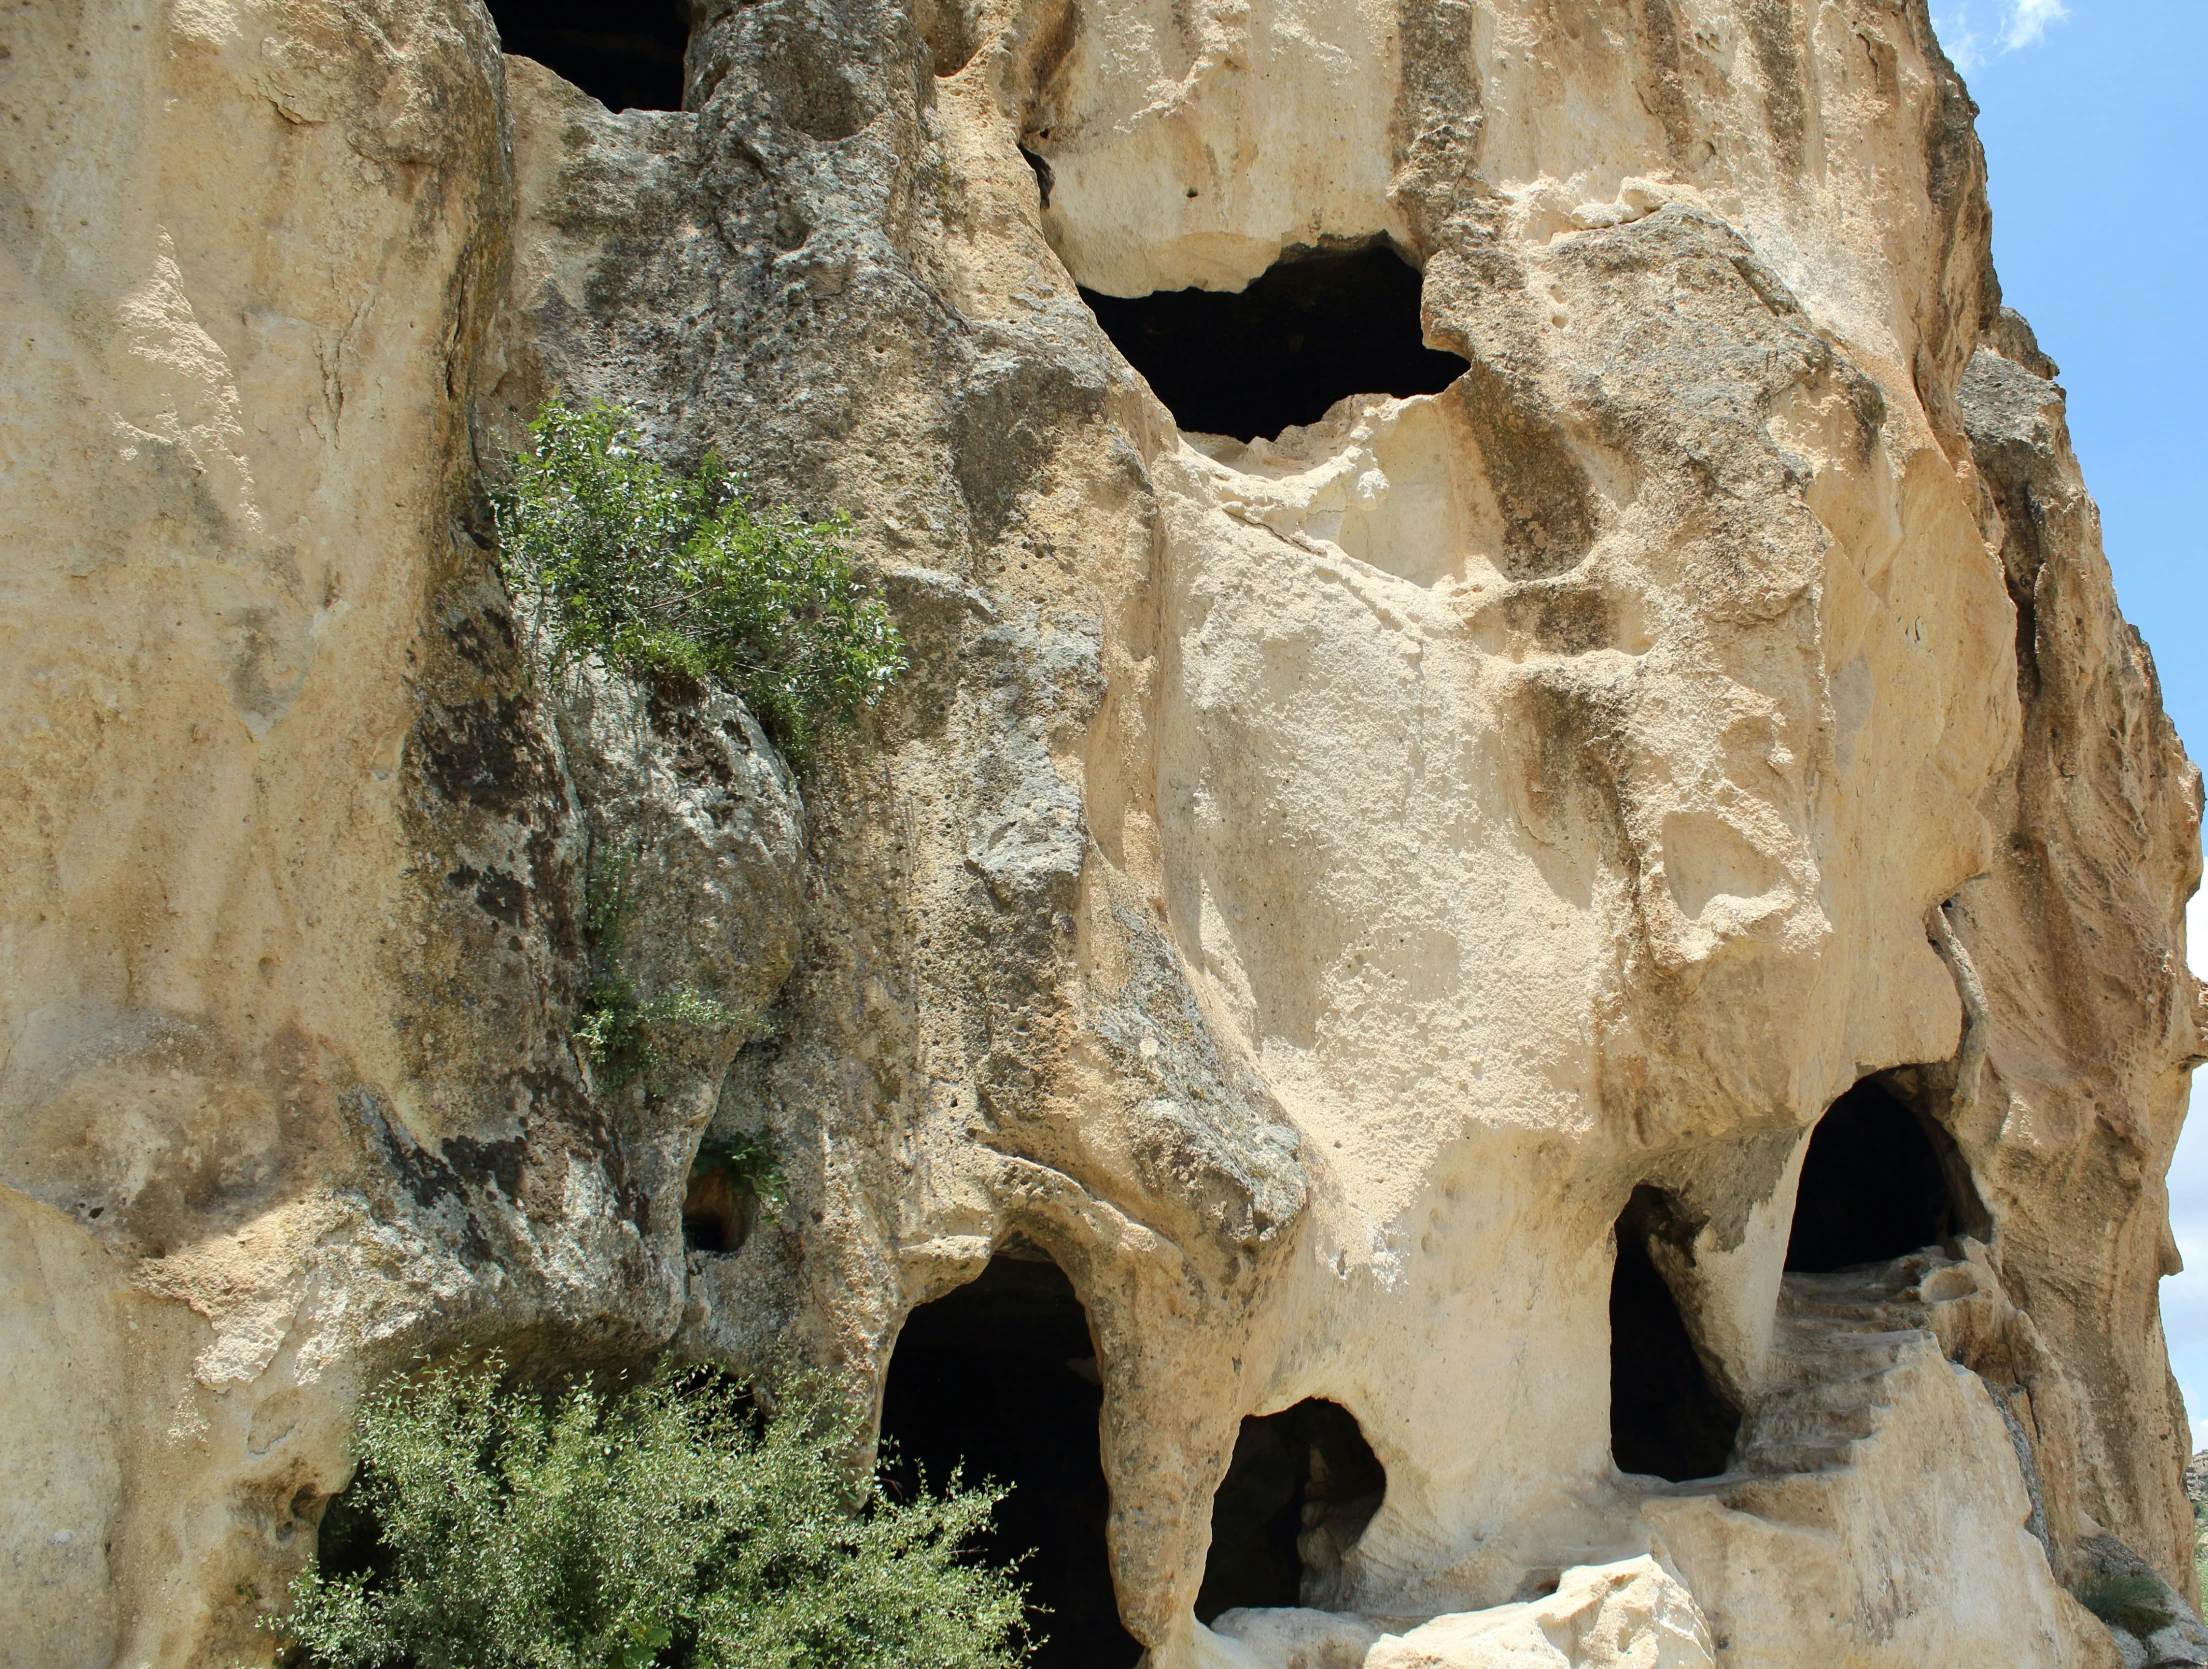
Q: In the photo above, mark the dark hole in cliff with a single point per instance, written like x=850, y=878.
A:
x=1880, y=1179
x=716, y=1210
x=1300, y=1490
x=1313, y=328
x=1001, y=1376
x=1668, y=1418
x=626, y=56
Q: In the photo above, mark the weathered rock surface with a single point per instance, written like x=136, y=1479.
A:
x=1304, y=886
x=1630, y=1615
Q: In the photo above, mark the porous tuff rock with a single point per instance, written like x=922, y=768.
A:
x=295, y=866
x=1304, y=887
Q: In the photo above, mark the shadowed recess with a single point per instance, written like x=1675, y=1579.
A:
x=717, y=1211
x=1001, y=1377
x=1668, y=1419
x=1311, y=330
x=1879, y=1180
x=1300, y=1490
x=627, y=56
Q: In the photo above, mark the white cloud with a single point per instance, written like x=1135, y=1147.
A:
x=1964, y=44
x=2028, y=20
x=2019, y=23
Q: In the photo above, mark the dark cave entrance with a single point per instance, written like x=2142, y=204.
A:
x=717, y=1210
x=1668, y=1418
x=1002, y=1375
x=626, y=56
x=1880, y=1180
x=1312, y=328
x=1300, y=1490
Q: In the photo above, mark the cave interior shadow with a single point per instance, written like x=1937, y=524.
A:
x=1000, y=1378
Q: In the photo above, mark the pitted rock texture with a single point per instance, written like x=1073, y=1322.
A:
x=1304, y=888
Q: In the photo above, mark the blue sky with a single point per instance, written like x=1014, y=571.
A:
x=2095, y=127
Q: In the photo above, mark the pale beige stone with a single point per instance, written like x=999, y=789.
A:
x=1629, y=1615
x=1303, y=887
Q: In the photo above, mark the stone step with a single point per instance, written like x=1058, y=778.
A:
x=1779, y=1430
x=1770, y=1459
x=1838, y=1336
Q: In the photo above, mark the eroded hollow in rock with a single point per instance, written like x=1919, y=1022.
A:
x=1300, y=1490
x=1314, y=327
x=716, y=1210
x=1002, y=1376
x=1880, y=1179
x=1668, y=1416
x=626, y=56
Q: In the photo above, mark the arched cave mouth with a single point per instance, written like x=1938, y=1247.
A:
x=1001, y=1376
x=1668, y=1417
x=1301, y=1488
x=626, y=56
x=1314, y=327
x=1880, y=1180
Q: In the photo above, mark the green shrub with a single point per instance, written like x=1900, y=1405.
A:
x=615, y=1026
x=750, y=1161
x=669, y=1525
x=671, y=575
x=2133, y=1603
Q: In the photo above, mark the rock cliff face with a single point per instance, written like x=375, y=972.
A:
x=1375, y=911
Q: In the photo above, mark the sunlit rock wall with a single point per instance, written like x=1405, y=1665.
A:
x=1303, y=886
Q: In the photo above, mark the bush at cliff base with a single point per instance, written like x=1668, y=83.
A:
x=671, y=575
x=495, y=1527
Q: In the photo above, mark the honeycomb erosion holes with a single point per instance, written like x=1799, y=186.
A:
x=1001, y=1377
x=1313, y=328
x=1880, y=1180
x=627, y=56
x=1668, y=1419
x=1301, y=1488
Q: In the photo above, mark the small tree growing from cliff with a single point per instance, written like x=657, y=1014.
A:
x=673, y=575
x=490, y=1527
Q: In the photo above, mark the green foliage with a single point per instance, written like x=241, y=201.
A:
x=750, y=1160
x=671, y=575
x=617, y=1028
x=667, y=1526
x=2200, y=1545
x=2133, y=1603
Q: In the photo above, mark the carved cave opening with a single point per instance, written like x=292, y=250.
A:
x=1880, y=1180
x=717, y=1210
x=1301, y=1488
x=627, y=57
x=1668, y=1416
x=1001, y=1376
x=1314, y=327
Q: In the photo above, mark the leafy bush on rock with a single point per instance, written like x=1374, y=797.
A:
x=671, y=1525
x=669, y=575
x=617, y=1027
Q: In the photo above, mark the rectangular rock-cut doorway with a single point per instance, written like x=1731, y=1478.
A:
x=1669, y=1418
